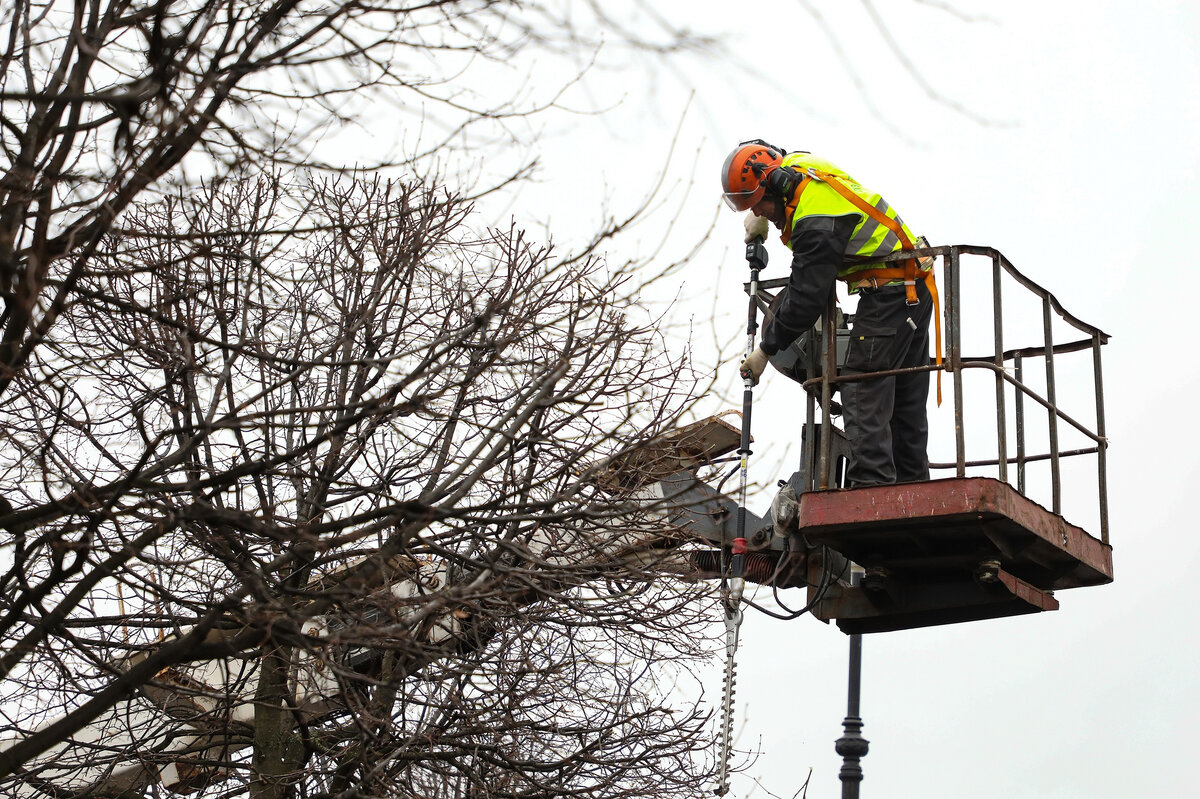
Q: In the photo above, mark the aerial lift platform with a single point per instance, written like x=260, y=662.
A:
x=961, y=548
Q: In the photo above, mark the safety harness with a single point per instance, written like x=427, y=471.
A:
x=908, y=270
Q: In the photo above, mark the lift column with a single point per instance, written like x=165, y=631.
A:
x=852, y=746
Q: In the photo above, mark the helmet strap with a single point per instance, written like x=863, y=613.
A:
x=782, y=152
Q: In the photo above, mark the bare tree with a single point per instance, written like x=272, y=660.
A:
x=105, y=101
x=329, y=460
x=297, y=463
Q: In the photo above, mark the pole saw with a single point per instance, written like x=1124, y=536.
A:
x=733, y=580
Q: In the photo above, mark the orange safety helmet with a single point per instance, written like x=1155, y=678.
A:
x=744, y=170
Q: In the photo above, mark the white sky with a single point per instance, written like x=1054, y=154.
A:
x=1082, y=172
x=1085, y=180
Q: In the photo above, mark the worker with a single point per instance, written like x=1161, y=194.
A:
x=835, y=229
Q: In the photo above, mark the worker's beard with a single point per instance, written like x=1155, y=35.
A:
x=776, y=215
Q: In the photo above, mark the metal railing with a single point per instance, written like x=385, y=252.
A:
x=820, y=459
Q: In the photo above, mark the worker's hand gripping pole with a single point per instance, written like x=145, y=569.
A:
x=756, y=259
x=733, y=582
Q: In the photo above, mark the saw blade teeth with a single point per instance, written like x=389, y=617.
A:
x=726, y=726
x=733, y=620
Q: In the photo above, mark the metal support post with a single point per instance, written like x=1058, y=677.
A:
x=852, y=746
x=1102, y=434
x=954, y=336
x=829, y=326
x=998, y=360
x=1052, y=398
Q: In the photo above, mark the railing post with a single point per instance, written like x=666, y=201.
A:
x=998, y=340
x=808, y=443
x=954, y=336
x=1019, y=408
x=1052, y=398
x=1102, y=444
x=830, y=371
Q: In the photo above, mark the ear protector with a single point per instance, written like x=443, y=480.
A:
x=782, y=181
x=779, y=181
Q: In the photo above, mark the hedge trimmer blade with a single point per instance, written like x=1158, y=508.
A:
x=733, y=622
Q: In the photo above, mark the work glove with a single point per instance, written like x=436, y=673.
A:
x=752, y=367
x=756, y=227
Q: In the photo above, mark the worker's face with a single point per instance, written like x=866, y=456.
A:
x=770, y=209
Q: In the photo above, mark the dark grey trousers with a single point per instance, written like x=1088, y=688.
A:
x=885, y=417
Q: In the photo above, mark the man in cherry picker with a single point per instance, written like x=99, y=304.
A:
x=836, y=229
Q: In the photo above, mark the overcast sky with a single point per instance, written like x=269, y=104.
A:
x=1074, y=153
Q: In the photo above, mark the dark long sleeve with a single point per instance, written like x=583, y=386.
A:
x=818, y=247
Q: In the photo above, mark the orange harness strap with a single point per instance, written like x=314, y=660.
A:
x=789, y=210
x=908, y=272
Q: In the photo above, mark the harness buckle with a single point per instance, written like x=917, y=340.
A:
x=910, y=290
